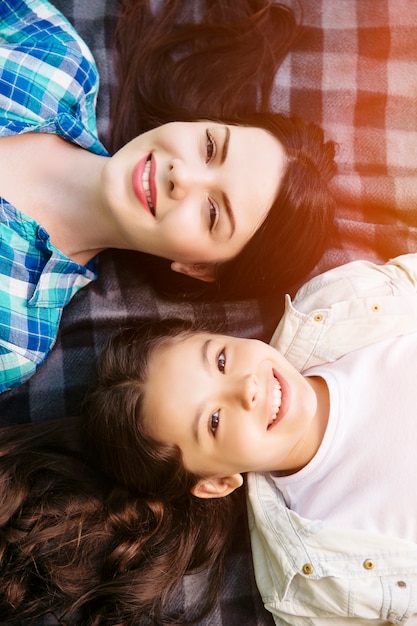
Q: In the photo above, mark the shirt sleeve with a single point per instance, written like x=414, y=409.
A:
x=47, y=72
x=14, y=369
x=358, y=279
x=348, y=308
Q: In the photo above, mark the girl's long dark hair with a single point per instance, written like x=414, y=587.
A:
x=98, y=525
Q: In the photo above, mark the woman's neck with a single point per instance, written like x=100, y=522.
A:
x=57, y=184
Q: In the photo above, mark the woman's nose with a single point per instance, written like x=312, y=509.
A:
x=184, y=177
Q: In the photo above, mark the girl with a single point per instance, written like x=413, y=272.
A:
x=328, y=543
x=175, y=419
x=196, y=193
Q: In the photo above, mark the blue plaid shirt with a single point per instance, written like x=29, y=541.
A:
x=48, y=83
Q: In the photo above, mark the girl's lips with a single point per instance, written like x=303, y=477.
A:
x=285, y=400
x=144, y=174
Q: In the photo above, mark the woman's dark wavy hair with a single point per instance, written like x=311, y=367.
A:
x=240, y=45
x=212, y=58
x=292, y=238
x=97, y=522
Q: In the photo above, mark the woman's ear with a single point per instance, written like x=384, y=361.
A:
x=217, y=487
x=201, y=271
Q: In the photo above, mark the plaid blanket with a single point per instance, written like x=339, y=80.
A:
x=354, y=72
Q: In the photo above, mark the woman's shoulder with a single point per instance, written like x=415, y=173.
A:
x=36, y=39
x=46, y=69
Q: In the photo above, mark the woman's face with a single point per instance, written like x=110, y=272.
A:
x=194, y=193
x=231, y=405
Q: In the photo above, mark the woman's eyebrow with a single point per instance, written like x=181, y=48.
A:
x=229, y=212
x=225, y=197
x=225, y=145
x=199, y=412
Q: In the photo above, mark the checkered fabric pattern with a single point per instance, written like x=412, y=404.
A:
x=45, y=75
x=36, y=282
x=354, y=71
x=48, y=82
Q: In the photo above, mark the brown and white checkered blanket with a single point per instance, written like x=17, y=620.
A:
x=353, y=71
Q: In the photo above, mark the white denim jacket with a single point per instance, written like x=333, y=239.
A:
x=308, y=573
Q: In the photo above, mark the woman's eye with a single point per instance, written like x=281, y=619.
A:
x=211, y=147
x=221, y=361
x=213, y=215
x=214, y=422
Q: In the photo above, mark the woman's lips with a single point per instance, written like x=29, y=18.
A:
x=279, y=395
x=143, y=182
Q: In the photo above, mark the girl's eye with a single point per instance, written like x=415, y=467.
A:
x=211, y=147
x=213, y=215
x=221, y=361
x=214, y=423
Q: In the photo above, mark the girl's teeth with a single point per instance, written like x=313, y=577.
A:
x=146, y=186
x=276, y=400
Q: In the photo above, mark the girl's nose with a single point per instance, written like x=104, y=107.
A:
x=247, y=389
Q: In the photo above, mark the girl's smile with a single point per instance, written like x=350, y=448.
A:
x=280, y=399
x=233, y=405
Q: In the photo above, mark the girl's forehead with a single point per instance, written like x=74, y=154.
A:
x=185, y=341
x=176, y=371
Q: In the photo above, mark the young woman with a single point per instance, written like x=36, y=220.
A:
x=178, y=415
x=202, y=194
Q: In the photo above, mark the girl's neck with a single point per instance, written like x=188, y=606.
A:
x=57, y=184
x=311, y=443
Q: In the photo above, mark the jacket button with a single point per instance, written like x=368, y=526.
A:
x=308, y=569
x=402, y=584
x=318, y=318
x=375, y=307
x=369, y=564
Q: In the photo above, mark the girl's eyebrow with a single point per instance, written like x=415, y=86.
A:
x=199, y=412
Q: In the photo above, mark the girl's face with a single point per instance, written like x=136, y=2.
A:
x=231, y=405
x=194, y=192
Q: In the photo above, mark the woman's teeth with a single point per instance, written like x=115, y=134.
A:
x=276, y=401
x=146, y=186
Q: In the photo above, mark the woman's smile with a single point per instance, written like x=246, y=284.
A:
x=205, y=184
x=143, y=183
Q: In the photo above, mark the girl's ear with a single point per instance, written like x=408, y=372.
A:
x=201, y=271
x=217, y=487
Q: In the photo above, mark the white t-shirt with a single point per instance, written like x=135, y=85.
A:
x=364, y=473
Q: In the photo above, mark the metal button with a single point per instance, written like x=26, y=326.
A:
x=375, y=307
x=369, y=564
x=308, y=569
x=402, y=584
x=318, y=318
